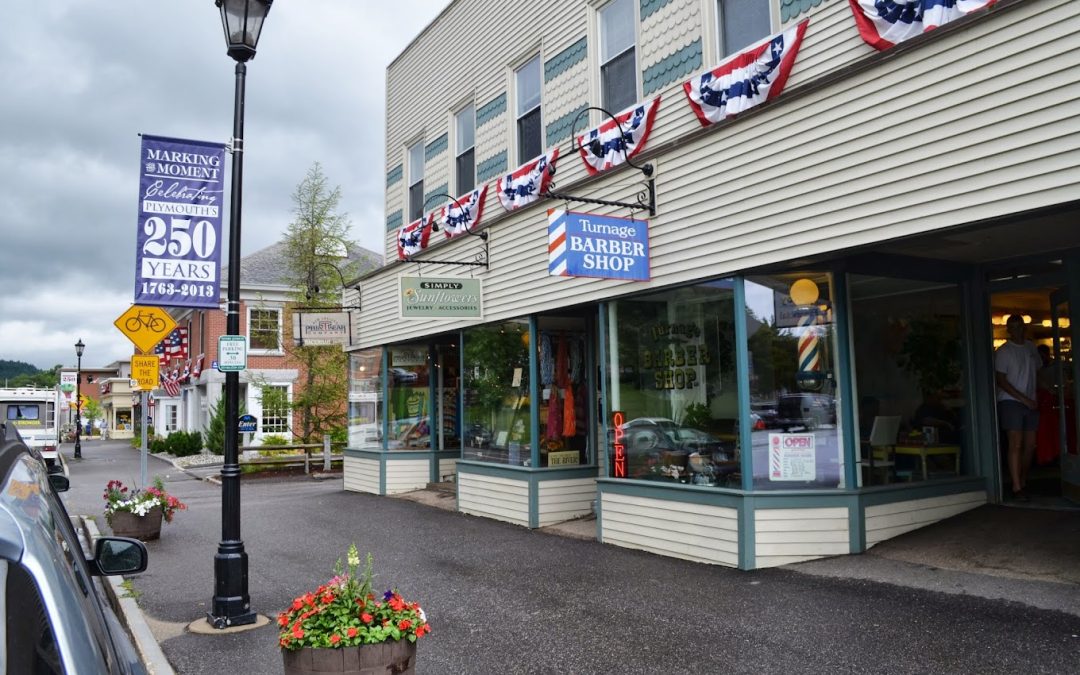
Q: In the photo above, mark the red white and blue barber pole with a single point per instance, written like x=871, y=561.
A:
x=809, y=375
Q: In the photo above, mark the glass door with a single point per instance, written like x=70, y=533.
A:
x=1065, y=396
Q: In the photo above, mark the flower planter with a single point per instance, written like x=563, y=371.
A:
x=379, y=659
x=145, y=528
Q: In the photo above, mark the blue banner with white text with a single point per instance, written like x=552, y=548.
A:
x=605, y=247
x=181, y=195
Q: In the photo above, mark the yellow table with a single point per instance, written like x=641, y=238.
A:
x=924, y=451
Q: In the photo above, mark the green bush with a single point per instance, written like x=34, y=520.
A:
x=275, y=439
x=215, y=432
x=158, y=445
x=184, y=443
x=339, y=436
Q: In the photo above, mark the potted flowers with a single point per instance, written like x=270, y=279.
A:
x=138, y=512
x=346, y=627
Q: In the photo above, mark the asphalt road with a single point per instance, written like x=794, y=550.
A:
x=503, y=599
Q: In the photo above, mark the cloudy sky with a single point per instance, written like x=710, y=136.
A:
x=82, y=78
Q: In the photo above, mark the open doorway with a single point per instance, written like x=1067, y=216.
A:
x=1048, y=461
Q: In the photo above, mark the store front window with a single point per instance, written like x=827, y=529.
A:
x=409, y=398
x=909, y=376
x=365, y=399
x=673, y=389
x=497, y=413
x=794, y=393
x=564, y=398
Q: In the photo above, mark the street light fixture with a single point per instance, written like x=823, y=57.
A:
x=242, y=21
x=79, y=347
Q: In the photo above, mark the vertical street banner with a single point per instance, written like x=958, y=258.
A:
x=181, y=194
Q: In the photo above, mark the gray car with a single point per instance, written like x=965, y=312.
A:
x=54, y=617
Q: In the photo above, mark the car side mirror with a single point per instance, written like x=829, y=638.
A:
x=59, y=482
x=118, y=555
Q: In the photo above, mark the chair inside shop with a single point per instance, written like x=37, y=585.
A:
x=879, y=449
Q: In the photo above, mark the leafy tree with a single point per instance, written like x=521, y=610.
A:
x=215, y=432
x=320, y=257
x=91, y=410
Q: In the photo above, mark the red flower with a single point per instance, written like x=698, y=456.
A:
x=328, y=598
x=283, y=619
x=366, y=618
x=297, y=604
x=334, y=639
x=297, y=631
x=396, y=604
x=404, y=624
x=309, y=599
x=352, y=631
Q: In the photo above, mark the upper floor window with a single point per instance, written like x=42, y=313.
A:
x=618, y=72
x=416, y=181
x=527, y=86
x=742, y=23
x=264, y=329
x=465, y=158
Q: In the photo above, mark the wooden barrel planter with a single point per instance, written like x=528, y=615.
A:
x=145, y=528
x=381, y=659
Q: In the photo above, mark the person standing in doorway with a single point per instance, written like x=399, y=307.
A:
x=1016, y=365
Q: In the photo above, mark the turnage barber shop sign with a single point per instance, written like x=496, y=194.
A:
x=178, y=256
x=605, y=247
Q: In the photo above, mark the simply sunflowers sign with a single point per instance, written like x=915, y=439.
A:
x=440, y=297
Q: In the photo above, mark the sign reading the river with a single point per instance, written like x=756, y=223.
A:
x=440, y=297
x=178, y=255
x=605, y=247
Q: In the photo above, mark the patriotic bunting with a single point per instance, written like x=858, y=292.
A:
x=527, y=182
x=745, y=80
x=636, y=123
x=885, y=23
x=456, y=220
x=413, y=238
x=187, y=371
x=170, y=384
x=196, y=367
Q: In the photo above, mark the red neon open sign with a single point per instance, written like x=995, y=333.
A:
x=617, y=420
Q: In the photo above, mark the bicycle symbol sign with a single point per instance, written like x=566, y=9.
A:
x=145, y=326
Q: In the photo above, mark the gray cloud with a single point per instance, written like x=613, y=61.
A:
x=82, y=78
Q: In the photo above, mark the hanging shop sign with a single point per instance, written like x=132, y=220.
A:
x=68, y=384
x=321, y=328
x=791, y=457
x=603, y=247
x=528, y=182
x=178, y=254
x=611, y=143
x=885, y=23
x=747, y=79
x=440, y=297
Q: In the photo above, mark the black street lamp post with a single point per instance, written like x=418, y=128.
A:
x=79, y=347
x=242, y=21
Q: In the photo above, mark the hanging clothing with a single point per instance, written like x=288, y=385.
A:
x=547, y=364
x=577, y=349
x=569, y=425
x=562, y=362
x=554, y=417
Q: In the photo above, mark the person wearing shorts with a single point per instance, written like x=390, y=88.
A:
x=1016, y=365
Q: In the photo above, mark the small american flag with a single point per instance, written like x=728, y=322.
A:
x=175, y=346
x=170, y=385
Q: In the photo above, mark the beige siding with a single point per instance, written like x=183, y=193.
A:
x=561, y=500
x=494, y=497
x=669, y=29
x=697, y=532
x=783, y=536
x=447, y=469
x=811, y=172
x=890, y=520
x=406, y=475
x=361, y=475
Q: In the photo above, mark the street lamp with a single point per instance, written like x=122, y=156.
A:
x=242, y=21
x=79, y=347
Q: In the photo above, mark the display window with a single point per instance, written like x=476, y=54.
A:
x=673, y=391
x=793, y=381
x=365, y=399
x=911, y=391
x=564, y=422
x=497, y=407
x=409, y=398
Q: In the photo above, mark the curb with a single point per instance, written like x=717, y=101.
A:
x=132, y=616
